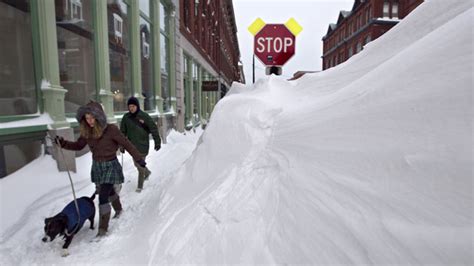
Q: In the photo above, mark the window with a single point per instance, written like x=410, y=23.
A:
x=395, y=10
x=145, y=47
x=368, y=39
x=17, y=86
x=144, y=6
x=147, y=90
x=185, y=11
x=118, y=26
x=186, y=88
x=76, y=54
x=195, y=89
x=197, y=22
x=165, y=55
x=359, y=47
x=386, y=9
x=351, y=51
x=119, y=53
x=76, y=9
x=145, y=26
x=196, y=7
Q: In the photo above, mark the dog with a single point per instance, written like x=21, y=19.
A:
x=67, y=223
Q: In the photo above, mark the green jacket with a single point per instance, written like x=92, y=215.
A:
x=137, y=128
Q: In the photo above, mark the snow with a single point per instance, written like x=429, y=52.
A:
x=368, y=163
x=40, y=120
x=45, y=84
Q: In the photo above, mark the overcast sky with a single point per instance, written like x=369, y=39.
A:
x=313, y=15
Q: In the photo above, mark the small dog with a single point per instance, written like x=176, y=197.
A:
x=67, y=223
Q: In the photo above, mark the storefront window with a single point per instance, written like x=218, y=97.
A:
x=145, y=7
x=146, y=63
x=74, y=24
x=185, y=74
x=119, y=53
x=165, y=56
x=17, y=80
x=195, y=89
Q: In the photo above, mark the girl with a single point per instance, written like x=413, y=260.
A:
x=103, y=140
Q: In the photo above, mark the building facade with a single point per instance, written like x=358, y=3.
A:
x=59, y=54
x=368, y=20
x=210, y=55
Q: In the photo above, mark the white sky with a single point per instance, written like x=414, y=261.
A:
x=313, y=15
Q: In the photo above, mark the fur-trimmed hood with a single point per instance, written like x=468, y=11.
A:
x=95, y=109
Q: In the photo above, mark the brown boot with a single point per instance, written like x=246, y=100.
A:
x=141, y=180
x=104, y=217
x=147, y=173
x=116, y=204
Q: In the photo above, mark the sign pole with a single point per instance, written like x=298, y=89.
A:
x=253, y=68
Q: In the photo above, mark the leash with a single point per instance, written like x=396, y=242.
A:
x=72, y=187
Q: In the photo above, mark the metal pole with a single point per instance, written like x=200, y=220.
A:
x=253, y=68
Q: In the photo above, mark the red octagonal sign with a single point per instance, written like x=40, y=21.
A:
x=274, y=45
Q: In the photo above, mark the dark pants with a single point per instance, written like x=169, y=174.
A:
x=106, y=191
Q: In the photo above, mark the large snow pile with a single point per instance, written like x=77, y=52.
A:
x=367, y=163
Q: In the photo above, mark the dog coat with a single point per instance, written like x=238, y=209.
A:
x=85, y=209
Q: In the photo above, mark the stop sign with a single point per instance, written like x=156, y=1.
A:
x=274, y=44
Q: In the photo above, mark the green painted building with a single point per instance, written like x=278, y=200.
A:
x=58, y=55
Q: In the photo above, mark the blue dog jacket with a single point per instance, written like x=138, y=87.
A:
x=86, y=209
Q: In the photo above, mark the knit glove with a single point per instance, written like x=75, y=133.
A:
x=59, y=141
x=157, y=146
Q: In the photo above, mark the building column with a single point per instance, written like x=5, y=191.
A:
x=188, y=96
x=156, y=49
x=214, y=101
x=172, y=74
x=199, y=93
x=204, y=107
x=136, y=66
x=45, y=51
x=102, y=62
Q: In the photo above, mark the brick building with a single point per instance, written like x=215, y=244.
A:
x=368, y=20
x=211, y=56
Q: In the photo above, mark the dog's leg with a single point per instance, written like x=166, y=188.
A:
x=91, y=219
x=68, y=241
x=64, y=252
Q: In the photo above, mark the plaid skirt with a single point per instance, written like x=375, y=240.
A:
x=107, y=172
